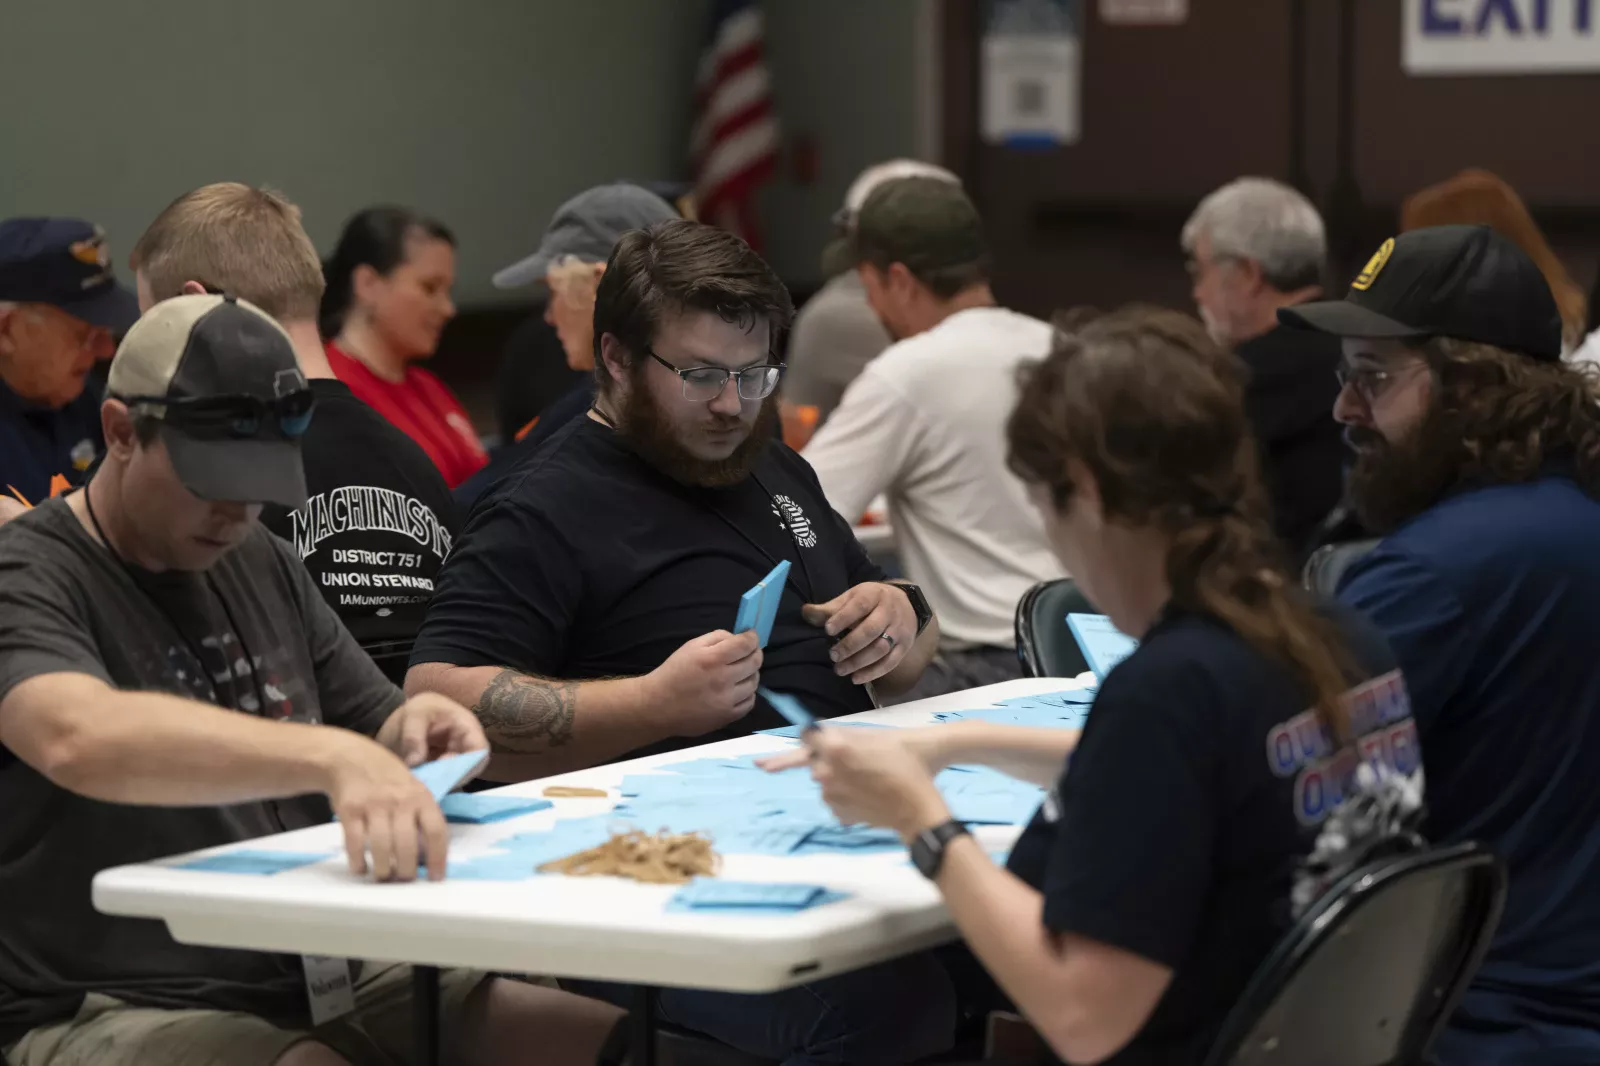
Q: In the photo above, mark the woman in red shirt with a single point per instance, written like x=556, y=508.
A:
x=387, y=301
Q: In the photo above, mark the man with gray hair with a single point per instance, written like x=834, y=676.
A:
x=1256, y=245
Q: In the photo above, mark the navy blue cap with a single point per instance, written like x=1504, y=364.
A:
x=63, y=262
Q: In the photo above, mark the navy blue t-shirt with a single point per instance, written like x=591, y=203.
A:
x=1491, y=601
x=37, y=443
x=1199, y=783
x=510, y=456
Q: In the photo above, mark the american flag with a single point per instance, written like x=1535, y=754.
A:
x=733, y=146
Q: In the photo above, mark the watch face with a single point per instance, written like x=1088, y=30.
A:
x=925, y=854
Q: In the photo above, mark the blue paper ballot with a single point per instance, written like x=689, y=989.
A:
x=444, y=776
x=476, y=807
x=793, y=731
x=791, y=709
x=1102, y=643
x=758, y=608
x=261, y=863
x=715, y=894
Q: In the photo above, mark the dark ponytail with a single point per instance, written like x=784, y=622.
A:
x=375, y=237
x=1154, y=409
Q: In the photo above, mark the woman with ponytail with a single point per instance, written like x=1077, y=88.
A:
x=1160, y=868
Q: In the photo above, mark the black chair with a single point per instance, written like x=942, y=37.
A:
x=1327, y=565
x=1044, y=643
x=392, y=656
x=1370, y=975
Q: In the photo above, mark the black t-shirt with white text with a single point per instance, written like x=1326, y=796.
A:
x=1197, y=786
x=378, y=519
x=251, y=635
x=590, y=563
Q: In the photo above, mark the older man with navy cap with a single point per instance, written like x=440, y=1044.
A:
x=59, y=308
x=1478, y=453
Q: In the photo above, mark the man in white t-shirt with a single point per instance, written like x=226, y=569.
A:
x=924, y=425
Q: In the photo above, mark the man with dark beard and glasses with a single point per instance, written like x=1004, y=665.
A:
x=584, y=613
x=1478, y=453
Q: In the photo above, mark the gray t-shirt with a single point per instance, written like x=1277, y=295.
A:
x=66, y=605
x=835, y=335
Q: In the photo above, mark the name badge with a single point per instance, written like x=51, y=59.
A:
x=329, y=988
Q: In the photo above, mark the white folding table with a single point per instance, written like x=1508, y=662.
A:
x=578, y=927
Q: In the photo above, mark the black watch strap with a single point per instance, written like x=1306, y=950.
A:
x=919, y=603
x=928, y=847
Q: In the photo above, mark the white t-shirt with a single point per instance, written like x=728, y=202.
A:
x=924, y=425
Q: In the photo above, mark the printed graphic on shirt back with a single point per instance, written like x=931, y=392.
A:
x=1379, y=713
x=390, y=546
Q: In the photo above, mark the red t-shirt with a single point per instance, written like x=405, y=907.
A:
x=423, y=408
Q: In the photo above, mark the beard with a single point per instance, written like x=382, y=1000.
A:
x=653, y=437
x=1393, y=481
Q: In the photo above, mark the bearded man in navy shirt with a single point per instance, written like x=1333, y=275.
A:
x=1478, y=451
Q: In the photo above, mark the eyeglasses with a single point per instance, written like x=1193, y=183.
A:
x=702, y=384
x=1370, y=382
x=241, y=417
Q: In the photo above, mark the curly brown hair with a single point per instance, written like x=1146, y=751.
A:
x=1154, y=409
x=1509, y=417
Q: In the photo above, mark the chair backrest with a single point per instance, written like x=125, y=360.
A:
x=1327, y=565
x=393, y=658
x=1044, y=643
x=1373, y=971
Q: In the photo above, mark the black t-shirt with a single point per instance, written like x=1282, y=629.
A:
x=533, y=374
x=591, y=563
x=1197, y=786
x=66, y=605
x=1289, y=402
x=378, y=520
x=509, y=456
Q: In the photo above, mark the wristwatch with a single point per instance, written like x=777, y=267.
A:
x=927, y=848
x=919, y=603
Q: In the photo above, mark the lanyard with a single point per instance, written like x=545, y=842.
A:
x=807, y=594
x=188, y=642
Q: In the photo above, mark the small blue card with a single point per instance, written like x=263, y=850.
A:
x=258, y=862
x=758, y=608
x=791, y=709
x=444, y=776
x=477, y=808
x=1103, y=644
x=715, y=894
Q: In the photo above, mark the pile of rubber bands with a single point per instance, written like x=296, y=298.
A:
x=660, y=858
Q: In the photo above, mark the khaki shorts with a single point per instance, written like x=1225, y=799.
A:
x=108, y=1032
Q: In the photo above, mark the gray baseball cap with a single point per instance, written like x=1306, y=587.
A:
x=587, y=227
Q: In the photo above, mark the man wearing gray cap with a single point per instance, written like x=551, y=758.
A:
x=171, y=680
x=570, y=259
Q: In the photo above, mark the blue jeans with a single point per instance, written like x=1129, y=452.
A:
x=885, y=1015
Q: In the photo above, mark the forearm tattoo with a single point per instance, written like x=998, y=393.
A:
x=525, y=714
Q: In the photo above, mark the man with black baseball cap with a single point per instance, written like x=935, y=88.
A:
x=1478, y=453
x=60, y=306
x=171, y=679
x=922, y=424
x=569, y=262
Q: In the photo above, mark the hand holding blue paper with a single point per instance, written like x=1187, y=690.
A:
x=758, y=608
x=443, y=776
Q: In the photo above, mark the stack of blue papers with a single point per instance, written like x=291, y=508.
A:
x=443, y=776
x=749, y=897
x=1102, y=643
x=793, y=731
x=477, y=808
x=254, y=861
x=758, y=608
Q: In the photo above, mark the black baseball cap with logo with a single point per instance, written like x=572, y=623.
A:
x=927, y=223
x=1466, y=282
x=63, y=262
x=222, y=378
